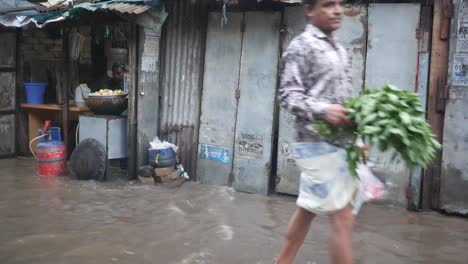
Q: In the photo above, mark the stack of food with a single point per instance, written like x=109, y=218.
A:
x=107, y=92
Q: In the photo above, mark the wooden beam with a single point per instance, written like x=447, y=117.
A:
x=66, y=88
x=438, y=71
x=132, y=102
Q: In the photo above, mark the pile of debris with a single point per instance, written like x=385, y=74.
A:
x=164, y=168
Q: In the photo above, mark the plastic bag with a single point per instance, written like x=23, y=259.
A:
x=158, y=144
x=372, y=187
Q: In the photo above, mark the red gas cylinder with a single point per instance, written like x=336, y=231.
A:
x=51, y=155
x=51, y=159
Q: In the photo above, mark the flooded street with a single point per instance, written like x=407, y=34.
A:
x=65, y=221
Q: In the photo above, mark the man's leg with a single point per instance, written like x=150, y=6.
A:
x=297, y=231
x=341, y=244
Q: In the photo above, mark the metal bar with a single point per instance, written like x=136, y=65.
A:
x=8, y=112
x=18, y=78
x=416, y=177
x=7, y=69
x=203, y=25
x=132, y=104
x=16, y=9
x=141, y=10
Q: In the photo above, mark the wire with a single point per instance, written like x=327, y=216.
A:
x=224, y=20
x=76, y=134
x=34, y=139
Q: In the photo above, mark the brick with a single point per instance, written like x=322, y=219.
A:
x=26, y=47
x=46, y=41
x=40, y=34
x=59, y=55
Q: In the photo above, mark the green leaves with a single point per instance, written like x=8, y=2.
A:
x=389, y=118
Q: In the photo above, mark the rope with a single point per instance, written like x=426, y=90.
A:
x=225, y=19
x=34, y=139
x=76, y=134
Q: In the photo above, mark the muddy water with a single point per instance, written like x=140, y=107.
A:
x=64, y=221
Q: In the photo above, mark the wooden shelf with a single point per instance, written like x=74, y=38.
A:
x=55, y=107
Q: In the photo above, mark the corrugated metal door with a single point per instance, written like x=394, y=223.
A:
x=453, y=195
x=392, y=57
x=7, y=93
x=258, y=78
x=219, y=104
x=240, y=77
x=353, y=35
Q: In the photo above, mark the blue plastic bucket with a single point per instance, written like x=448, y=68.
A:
x=35, y=92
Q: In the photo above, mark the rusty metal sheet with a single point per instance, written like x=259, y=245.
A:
x=392, y=57
x=453, y=196
x=8, y=50
x=257, y=84
x=219, y=104
x=353, y=35
x=7, y=91
x=182, y=58
x=7, y=135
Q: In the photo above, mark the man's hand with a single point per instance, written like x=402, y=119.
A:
x=337, y=115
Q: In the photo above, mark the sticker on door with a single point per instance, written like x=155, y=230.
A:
x=216, y=153
x=250, y=146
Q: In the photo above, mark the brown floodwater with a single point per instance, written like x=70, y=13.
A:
x=48, y=221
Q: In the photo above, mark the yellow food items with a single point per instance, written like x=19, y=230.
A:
x=108, y=92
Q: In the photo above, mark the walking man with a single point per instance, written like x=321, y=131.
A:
x=315, y=82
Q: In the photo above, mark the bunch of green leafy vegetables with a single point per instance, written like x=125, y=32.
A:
x=390, y=119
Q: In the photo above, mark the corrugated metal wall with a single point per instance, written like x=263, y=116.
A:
x=182, y=56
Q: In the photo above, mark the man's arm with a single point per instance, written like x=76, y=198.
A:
x=292, y=93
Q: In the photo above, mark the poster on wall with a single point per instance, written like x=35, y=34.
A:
x=460, y=70
x=462, y=39
x=150, y=51
x=462, y=27
x=250, y=146
x=214, y=153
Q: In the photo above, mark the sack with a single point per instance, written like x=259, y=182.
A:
x=372, y=187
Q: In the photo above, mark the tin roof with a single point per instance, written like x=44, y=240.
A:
x=18, y=13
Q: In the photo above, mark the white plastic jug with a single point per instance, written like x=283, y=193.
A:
x=80, y=91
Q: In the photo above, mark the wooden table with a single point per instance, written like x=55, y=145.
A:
x=38, y=114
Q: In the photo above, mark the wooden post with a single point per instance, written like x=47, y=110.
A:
x=66, y=87
x=437, y=78
x=132, y=102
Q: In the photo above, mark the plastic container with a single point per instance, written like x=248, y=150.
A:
x=80, y=92
x=162, y=158
x=35, y=92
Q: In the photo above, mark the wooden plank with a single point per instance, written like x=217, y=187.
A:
x=141, y=10
x=132, y=103
x=56, y=107
x=438, y=71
